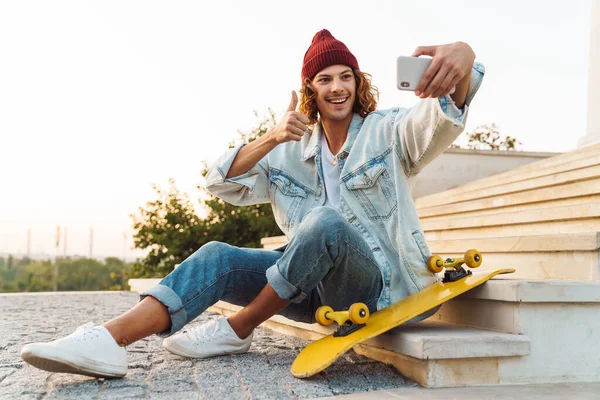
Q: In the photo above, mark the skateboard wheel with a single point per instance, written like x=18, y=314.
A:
x=473, y=258
x=359, y=313
x=321, y=315
x=435, y=264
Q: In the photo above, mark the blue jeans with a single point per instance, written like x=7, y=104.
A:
x=326, y=262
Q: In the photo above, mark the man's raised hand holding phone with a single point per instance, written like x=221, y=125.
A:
x=450, y=68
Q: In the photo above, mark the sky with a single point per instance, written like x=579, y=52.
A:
x=101, y=100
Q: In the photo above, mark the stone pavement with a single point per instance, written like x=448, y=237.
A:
x=154, y=373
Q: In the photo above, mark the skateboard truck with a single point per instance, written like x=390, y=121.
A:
x=454, y=269
x=348, y=321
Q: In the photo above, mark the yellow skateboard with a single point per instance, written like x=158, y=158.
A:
x=356, y=325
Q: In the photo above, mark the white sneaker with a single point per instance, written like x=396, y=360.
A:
x=90, y=350
x=214, y=338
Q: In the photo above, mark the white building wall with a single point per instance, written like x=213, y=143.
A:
x=455, y=167
x=593, y=112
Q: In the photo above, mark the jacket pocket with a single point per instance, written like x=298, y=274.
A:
x=287, y=197
x=422, y=245
x=374, y=190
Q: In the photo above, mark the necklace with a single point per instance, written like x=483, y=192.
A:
x=330, y=157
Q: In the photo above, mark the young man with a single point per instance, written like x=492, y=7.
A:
x=336, y=174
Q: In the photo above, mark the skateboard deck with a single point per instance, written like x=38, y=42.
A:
x=320, y=354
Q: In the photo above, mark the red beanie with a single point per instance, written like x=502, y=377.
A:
x=325, y=50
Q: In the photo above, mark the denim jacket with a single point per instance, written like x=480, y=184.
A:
x=381, y=152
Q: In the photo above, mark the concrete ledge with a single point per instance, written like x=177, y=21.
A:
x=549, y=227
x=428, y=340
x=141, y=285
x=273, y=242
x=542, y=291
x=552, y=214
x=566, y=193
x=509, y=306
x=567, y=265
x=280, y=324
x=438, y=373
x=586, y=241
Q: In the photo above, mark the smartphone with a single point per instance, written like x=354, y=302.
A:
x=409, y=71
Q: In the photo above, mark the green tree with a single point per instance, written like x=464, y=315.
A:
x=74, y=274
x=38, y=277
x=89, y=274
x=171, y=230
x=488, y=137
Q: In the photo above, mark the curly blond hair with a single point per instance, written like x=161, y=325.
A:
x=365, y=102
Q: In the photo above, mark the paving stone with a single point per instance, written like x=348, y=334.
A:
x=134, y=378
x=125, y=392
x=154, y=373
x=175, y=396
x=66, y=386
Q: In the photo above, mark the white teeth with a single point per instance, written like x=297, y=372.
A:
x=338, y=101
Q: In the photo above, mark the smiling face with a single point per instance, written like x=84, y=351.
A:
x=335, y=89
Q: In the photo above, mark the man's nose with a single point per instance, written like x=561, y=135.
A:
x=336, y=85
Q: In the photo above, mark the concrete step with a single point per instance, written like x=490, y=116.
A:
x=560, y=319
x=587, y=191
x=564, y=163
x=500, y=304
x=586, y=241
x=142, y=284
x=535, y=228
x=553, y=214
x=560, y=257
x=445, y=355
x=566, y=265
x=273, y=242
x=434, y=340
x=566, y=177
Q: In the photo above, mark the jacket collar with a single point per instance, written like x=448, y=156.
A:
x=313, y=145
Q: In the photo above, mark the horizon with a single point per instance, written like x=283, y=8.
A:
x=53, y=258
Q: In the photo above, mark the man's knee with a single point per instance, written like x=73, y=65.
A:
x=211, y=251
x=323, y=219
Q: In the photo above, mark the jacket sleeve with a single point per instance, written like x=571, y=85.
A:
x=427, y=129
x=243, y=190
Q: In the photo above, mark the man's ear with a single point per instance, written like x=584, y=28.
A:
x=308, y=86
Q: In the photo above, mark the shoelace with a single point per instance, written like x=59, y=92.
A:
x=88, y=331
x=203, y=332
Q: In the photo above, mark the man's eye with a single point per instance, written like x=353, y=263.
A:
x=346, y=76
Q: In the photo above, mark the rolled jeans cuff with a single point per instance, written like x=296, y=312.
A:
x=172, y=301
x=283, y=287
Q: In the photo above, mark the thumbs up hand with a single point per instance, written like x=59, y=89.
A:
x=293, y=125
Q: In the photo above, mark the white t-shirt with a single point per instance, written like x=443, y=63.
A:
x=331, y=174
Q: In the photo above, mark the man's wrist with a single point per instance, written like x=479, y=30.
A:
x=462, y=88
